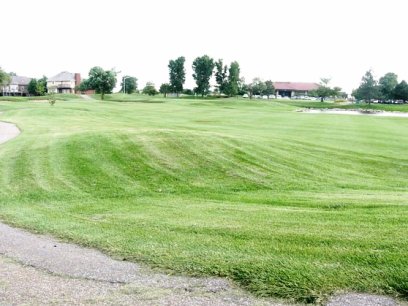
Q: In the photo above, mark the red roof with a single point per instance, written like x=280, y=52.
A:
x=296, y=86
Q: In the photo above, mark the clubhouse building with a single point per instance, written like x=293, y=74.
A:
x=292, y=89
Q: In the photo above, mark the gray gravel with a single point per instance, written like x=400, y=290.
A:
x=37, y=269
x=354, y=299
x=21, y=284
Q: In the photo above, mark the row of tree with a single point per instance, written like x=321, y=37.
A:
x=228, y=83
x=386, y=89
x=226, y=77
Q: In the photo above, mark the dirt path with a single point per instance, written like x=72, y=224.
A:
x=40, y=270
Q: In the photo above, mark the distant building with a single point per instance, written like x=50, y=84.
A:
x=64, y=82
x=291, y=89
x=18, y=86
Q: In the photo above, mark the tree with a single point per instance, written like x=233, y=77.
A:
x=4, y=77
x=84, y=86
x=149, y=89
x=177, y=74
x=356, y=94
x=32, y=87
x=37, y=87
x=130, y=84
x=324, y=90
x=102, y=81
x=233, y=79
x=41, y=89
x=203, y=68
x=258, y=86
x=164, y=89
x=401, y=91
x=188, y=92
x=387, y=84
x=221, y=76
x=337, y=91
x=368, y=89
x=242, y=87
x=269, y=88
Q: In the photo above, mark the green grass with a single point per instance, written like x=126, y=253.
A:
x=60, y=97
x=286, y=204
x=131, y=98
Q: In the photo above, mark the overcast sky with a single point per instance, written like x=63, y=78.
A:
x=286, y=40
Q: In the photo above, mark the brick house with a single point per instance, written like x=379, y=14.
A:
x=64, y=82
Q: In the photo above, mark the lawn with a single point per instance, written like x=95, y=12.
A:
x=286, y=204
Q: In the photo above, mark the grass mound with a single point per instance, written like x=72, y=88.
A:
x=286, y=204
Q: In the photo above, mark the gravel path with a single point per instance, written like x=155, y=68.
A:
x=39, y=270
x=355, y=299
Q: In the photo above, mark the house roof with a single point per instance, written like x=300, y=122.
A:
x=19, y=80
x=295, y=86
x=63, y=76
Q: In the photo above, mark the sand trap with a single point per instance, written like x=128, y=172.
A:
x=8, y=131
x=356, y=112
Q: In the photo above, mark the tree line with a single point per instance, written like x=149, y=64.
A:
x=204, y=67
x=227, y=77
x=228, y=83
x=386, y=89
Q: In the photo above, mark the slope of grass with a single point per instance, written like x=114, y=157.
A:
x=120, y=97
x=59, y=97
x=286, y=204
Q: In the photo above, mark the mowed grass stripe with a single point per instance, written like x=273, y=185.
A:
x=286, y=204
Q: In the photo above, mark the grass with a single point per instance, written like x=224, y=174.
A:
x=131, y=98
x=286, y=204
x=60, y=97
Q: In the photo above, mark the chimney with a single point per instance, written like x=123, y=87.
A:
x=77, y=79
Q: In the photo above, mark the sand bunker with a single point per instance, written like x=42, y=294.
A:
x=356, y=112
x=8, y=131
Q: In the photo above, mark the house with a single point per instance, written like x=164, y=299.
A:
x=291, y=89
x=64, y=82
x=18, y=86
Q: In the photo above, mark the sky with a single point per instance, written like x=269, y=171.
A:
x=286, y=40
